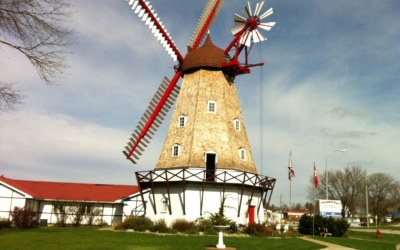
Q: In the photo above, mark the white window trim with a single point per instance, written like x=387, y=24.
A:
x=179, y=150
x=234, y=124
x=208, y=107
x=240, y=154
x=211, y=152
x=184, y=121
x=164, y=209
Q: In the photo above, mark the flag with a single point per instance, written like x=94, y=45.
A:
x=316, y=177
x=291, y=170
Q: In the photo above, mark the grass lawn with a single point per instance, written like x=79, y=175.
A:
x=365, y=241
x=92, y=238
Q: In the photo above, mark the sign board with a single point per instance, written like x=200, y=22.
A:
x=393, y=213
x=330, y=208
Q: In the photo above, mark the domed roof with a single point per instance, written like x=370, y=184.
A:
x=207, y=55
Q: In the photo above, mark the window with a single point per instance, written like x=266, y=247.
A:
x=236, y=122
x=211, y=107
x=176, y=148
x=242, y=153
x=164, y=205
x=181, y=121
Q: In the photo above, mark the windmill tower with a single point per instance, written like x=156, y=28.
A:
x=206, y=161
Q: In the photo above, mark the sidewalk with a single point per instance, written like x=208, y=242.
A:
x=383, y=231
x=329, y=246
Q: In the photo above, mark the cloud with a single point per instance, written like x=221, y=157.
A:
x=342, y=112
x=350, y=134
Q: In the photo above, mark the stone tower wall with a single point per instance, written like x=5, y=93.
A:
x=207, y=131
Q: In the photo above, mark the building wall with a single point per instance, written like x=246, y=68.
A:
x=212, y=201
x=8, y=200
x=111, y=212
x=205, y=131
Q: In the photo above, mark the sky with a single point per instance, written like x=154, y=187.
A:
x=330, y=81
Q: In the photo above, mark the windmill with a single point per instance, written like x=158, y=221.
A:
x=206, y=142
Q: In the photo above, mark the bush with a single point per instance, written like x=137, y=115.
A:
x=233, y=227
x=23, y=217
x=291, y=233
x=271, y=231
x=5, y=222
x=211, y=231
x=191, y=231
x=337, y=227
x=93, y=215
x=182, y=225
x=138, y=223
x=256, y=229
x=203, y=224
x=117, y=225
x=160, y=226
x=60, y=207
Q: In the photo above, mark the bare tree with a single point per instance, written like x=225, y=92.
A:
x=10, y=96
x=36, y=29
x=381, y=188
x=345, y=185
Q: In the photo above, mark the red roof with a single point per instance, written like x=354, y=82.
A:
x=72, y=191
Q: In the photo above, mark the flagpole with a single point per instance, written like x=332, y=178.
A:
x=290, y=191
x=313, y=201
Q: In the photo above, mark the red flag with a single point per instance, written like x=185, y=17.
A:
x=316, y=177
x=291, y=170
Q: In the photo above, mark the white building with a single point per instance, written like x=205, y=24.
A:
x=116, y=201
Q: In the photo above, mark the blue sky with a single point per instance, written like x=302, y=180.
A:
x=330, y=80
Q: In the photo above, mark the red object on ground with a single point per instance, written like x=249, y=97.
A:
x=378, y=233
x=251, y=214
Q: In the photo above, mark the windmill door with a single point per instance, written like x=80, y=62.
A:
x=251, y=214
x=210, y=167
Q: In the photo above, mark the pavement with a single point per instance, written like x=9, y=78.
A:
x=383, y=231
x=329, y=246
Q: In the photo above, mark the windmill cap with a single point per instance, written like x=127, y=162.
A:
x=207, y=56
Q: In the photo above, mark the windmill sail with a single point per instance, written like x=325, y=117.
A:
x=138, y=141
x=202, y=24
x=144, y=11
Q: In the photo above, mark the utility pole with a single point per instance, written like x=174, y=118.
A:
x=366, y=196
x=281, y=210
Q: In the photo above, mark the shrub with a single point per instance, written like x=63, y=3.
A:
x=271, y=231
x=35, y=224
x=233, y=227
x=182, y=225
x=5, y=222
x=93, y=215
x=211, y=231
x=60, y=207
x=191, y=231
x=203, y=224
x=337, y=227
x=138, y=223
x=117, y=225
x=290, y=233
x=256, y=229
x=23, y=217
x=160, y=226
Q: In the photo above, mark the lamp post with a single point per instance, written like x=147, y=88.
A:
x=326, y=171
